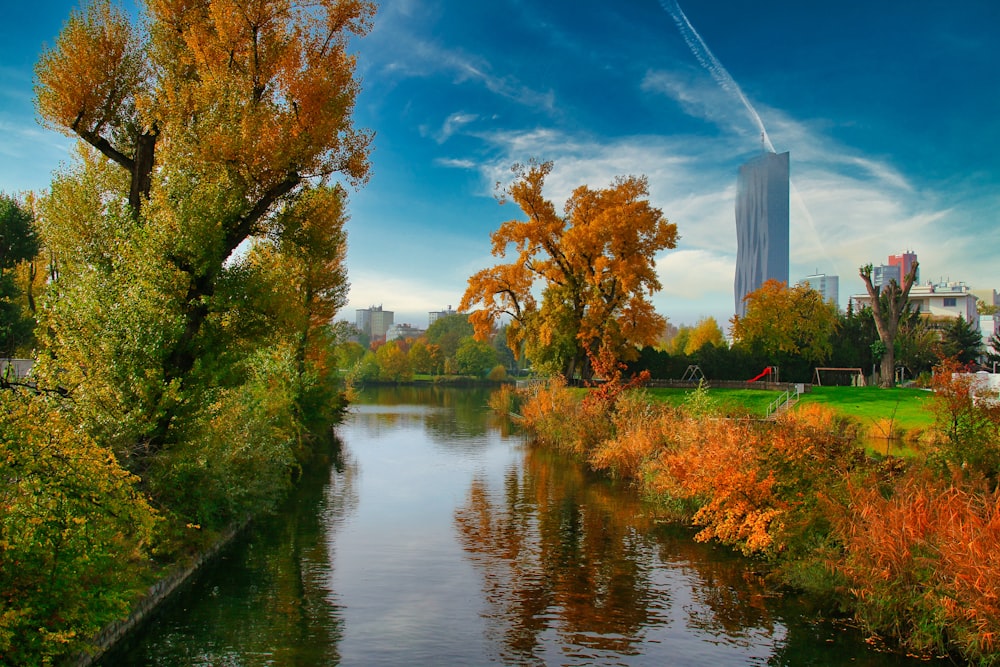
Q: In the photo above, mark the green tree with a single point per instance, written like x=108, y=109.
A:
x=448, y=332
x=852, y=339
x=917, y=343
x=74, y=530
x=18, y=244
x=596, y=267
x=961, y=342
x=213, y=117
x=475, y=358
x=393, y=364
x=678, y=343
x=420, y=357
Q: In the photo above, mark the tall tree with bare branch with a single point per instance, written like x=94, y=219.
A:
x=888, y=306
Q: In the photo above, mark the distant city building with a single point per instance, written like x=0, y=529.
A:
x=904, y=262
x=989, y=326
x=938, y=302
x=761, y=224
x=828, y=286
x=988, y=297
x=374, y=322
x=883, y=273
x=435, y=315
x=897, y=268
x=403, y=331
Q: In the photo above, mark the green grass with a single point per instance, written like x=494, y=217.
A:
x=752, y=402
x=909, y=408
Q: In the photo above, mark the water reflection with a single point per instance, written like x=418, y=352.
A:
x=562, y=552
x=267, y=599
x=576, y=570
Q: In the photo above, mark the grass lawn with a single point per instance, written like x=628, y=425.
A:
x=734, y=402
x=909, y=408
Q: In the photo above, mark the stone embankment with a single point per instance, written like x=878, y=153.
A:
x=155, y=596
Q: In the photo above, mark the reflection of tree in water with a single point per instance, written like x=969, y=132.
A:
x=450, y=415
x=267, y=599
x=730, y=598
x=563, y=553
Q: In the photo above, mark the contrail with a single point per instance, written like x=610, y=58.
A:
x=708, y=60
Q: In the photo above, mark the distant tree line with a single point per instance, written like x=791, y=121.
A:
x=448, y=349
x=794, y=329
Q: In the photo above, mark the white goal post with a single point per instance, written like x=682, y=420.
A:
x=856, y=375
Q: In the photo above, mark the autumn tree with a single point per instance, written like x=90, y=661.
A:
x=888, y=306
x=595, y=264
x=789, y=321
x=705, y=332
x=209, y=119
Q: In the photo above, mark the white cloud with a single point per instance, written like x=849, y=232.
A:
x=453, y=123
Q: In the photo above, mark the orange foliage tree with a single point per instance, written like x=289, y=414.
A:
x=596, y=264
x=218, y=115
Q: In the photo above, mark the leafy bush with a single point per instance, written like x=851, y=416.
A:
x=73, y=534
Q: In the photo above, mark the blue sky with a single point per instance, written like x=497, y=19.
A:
x=891, y=113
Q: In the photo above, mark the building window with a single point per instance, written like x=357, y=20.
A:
x=950, y=302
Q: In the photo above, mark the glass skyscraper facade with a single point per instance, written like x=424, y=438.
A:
x=761, y=224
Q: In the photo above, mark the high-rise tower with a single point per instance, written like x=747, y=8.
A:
x=761, y=224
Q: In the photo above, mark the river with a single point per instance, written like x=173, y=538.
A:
x=439, y=537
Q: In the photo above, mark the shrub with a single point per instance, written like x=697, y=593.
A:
x=924, y=563
x=73, y=534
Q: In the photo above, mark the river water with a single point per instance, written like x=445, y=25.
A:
x=439, y=537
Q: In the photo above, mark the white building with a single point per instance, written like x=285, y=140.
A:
x=828, y=286
x=435, y=315
x=938, y=301
x=402, y=332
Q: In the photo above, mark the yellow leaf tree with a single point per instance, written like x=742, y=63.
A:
x=782, y=320
x=705, y=332
x=217, y=114
x=595, y=264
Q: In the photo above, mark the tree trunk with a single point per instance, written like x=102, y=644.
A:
x=887, y=371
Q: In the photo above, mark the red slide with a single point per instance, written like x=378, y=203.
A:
x=766, y=371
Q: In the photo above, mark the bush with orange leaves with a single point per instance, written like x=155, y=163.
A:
x=924, y=563
x=556, y=417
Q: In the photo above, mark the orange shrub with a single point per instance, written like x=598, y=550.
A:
x=925, y=563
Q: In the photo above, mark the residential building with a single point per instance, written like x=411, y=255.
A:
x=938, y=301
x=403, y=331
x=827, y=285
x=761, y=224
x=435, y=315
x=374, y=322
x=989, y=326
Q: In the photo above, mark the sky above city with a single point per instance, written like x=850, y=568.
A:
x=890, y=112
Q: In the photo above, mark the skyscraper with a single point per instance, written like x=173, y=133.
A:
x=825, y=284
x=761, y=224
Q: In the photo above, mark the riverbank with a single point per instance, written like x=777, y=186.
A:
x=887, y=539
